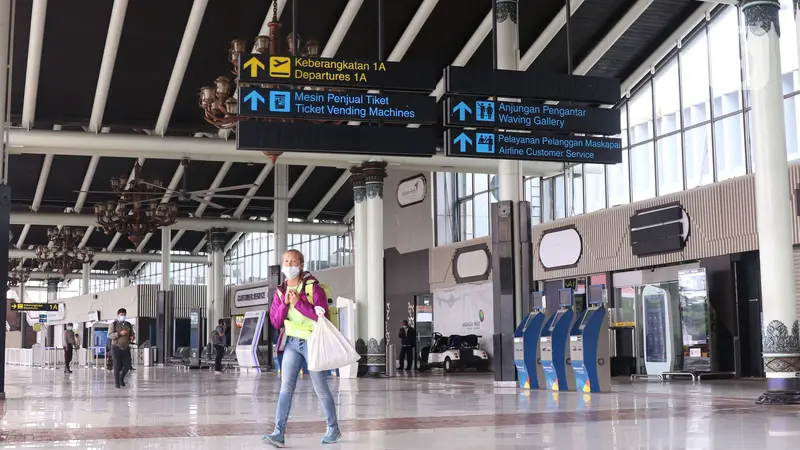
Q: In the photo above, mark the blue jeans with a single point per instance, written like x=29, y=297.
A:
x=294, y=354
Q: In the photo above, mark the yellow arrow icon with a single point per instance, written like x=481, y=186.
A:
x=254, y=64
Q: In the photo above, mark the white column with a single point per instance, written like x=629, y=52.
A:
x=374, y=174
x=773, y=203
x=52, y=297
x=360, y=256
x=509, y=173
x=86, y=280
x=124, y=269
x=5, y=25
x=210, y=278
x=281, y=174
x=166, y=245
x=216, y=292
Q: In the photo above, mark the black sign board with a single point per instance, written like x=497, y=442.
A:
x=341, y=139
x=34, y=306
x=660, y=229
x=337, y=72
x=324, y=105
x=531, y=85
x=533, y=146
x=472, y=112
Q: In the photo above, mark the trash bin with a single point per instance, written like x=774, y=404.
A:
x=149, y=356
x=391, y=360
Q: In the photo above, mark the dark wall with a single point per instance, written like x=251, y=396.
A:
x=407, y=275
x=551, y=292
x=748, y=274
x=722, y=297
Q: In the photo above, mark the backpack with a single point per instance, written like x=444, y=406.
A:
x=333, y=311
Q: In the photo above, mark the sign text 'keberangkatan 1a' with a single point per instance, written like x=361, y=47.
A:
x=536, y=146
x=34, y=306
x=472, y=112
x=337, y=72
x=323, y=105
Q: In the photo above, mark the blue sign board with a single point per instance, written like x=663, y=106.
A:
x=336, y=106
x=533, y=146
x=42, y=318
x=471, y=112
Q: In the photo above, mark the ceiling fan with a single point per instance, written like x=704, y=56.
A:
x=137, y=190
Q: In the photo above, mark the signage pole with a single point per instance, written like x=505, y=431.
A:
x=568, y=35
x=5, y=190
x=381, y=44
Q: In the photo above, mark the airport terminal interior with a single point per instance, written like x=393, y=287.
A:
x=483, y=224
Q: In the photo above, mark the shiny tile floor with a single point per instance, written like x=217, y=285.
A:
x=163, y=409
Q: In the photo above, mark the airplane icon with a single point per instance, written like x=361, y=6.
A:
x=280, y=66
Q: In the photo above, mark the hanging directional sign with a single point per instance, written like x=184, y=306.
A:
x=337, y=72
x=34, y=306
x=536, y=146
x=531, y=85
x=330, y=138
x=286, y=103
x=471, y=112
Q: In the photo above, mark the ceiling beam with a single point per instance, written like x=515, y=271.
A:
x=408, y=36
x=121, y=256
x=547, y=35
x=329, y=195
x=181, y=62
x=123, y=145
x=168, y=195
x=34, y=62
x=186, y=223
x=201, y=208
x=107, y=65
x=70, y=276
x=349, y=216
x=341, y=29
x=44, y=173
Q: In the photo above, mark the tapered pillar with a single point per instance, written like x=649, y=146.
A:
x=86, y=280
x=216, y=303
x=773, y=203
x=374, y=175
x=509, y=172
x=165, y=303
x=124, y=269
x=281, y=174
x=361, y=264
x=52, y=297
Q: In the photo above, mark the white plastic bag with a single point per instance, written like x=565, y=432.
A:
x=327, y=348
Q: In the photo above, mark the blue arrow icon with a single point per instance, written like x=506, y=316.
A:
x=464, y=140
x=254, y=97
x=461, y=108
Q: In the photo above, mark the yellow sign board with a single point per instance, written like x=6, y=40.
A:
x=34, y=306
x=624, y=324
x=280, y=66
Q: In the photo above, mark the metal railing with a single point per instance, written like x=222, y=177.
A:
x=53, y=357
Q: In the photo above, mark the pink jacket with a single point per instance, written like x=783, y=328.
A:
x=278, y=310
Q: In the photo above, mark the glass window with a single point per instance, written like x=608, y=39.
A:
x=560, y=199
x=481, y=182
x=670, y=167
x=695, y=80
x=467, y=220
x=577, y=190
x=788, y=44
x=791, y=110
x=623, y=118
x=536, y=201
x=482, y=217
x=726, y=72
x=618, y=185
x=595, y=180
x=667, y=99
x=728, y=134
x=643, y=172
x=547, y=200
x=641, y=115
x=697, y=148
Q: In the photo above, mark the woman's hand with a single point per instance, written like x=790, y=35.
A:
x=293, y=297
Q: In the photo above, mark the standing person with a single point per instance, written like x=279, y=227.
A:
x=121, y=334
x=293, y=310
x=408, y=342
x=217, y=339
x=69, y=346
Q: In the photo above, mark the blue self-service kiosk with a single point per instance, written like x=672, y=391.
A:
x=527, y=351
x=554, y=344
x=589, y=345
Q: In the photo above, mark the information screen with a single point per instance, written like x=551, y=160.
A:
x=558, y=317
x=656, y=335
x=586, y=317
x=249, y=327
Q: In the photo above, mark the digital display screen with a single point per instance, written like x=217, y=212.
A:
x=536, y=300
x=248, y=331
x=596, y=294
x=656, y=328
x=559, y=315
x=565, y=297
x=588, y=315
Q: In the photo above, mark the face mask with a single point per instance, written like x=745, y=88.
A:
x=291, y=272
x=122, y=318
x=69, y=328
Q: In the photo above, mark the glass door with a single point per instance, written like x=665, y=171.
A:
x=423, y=319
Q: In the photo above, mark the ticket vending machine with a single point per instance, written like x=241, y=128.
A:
x=554, y=343
x=589, y=345
x=526, y=346
x=247, y=345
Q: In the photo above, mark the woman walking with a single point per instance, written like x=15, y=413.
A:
x=293, y=309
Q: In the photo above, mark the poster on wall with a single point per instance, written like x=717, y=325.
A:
x=465, y=309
